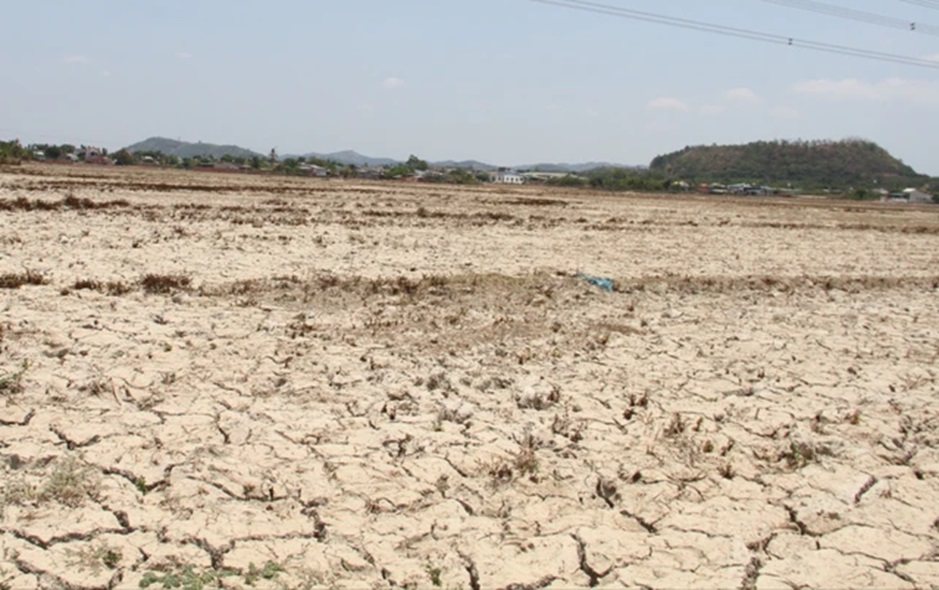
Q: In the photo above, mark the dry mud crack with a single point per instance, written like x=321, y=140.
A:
x=280, y=383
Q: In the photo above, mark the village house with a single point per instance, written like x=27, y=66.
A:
x=538, y=176
x=92, y=155
x=917, y=196
x=314, y=170
x=370, y=173
x=909, y=195
x=507, y=177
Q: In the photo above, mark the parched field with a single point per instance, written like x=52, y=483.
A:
x=243, y=381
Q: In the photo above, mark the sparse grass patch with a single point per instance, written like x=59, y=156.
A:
x=439, y=381
x=853, y=417
x=188, y=577
x=15, y=492
x=114, y=288
x=163, y=284
x=98, y=387
x=69, y=202
x=95, y=557
x=268, y=571
x=799, y=454
x=539, y=401
x=562, y=425
x=117, y=288
x=17, y=280
x=12, y=383
x=726, y=470
x=87, y=285
x=498, y=470
x=675, y=426
x=435, y=573
x=522, y=462
x=70, y=483
x=454, y=415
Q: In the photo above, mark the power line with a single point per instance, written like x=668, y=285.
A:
x=858, y=15
x=749, y=34
x=924, y=3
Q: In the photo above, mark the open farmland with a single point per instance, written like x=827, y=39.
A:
x=269, y=382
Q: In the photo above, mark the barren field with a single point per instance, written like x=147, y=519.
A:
x=238, y=381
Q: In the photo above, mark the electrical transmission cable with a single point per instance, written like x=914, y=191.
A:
x=858, y=15
x=924, y=3
x=727, y=31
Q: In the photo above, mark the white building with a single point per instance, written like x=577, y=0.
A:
x=507, y=178
x=314, y=170
x=916, y=196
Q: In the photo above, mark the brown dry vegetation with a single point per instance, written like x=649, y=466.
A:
x=248, y=381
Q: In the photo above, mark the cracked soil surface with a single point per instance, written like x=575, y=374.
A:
x=274, y=383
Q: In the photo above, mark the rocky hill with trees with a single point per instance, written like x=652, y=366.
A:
x=808, y=164
x=184, y=149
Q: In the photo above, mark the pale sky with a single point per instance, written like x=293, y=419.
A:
x=504, y=81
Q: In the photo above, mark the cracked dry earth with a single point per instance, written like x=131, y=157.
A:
x=240, y=381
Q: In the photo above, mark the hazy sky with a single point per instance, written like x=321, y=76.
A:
x=504, y=81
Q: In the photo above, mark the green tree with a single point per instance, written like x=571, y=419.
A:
x=398, y=171
x=415, y=163
x=461, y=176
x=568, y=181
x=124, y=158
x=291, y=164
x=53, y=152
x=12, y=152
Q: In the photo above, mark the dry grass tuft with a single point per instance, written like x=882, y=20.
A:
x=69, y=202
x=70, y=483
x=163, y=284
x=87, y=285
x=17, y=280
x=115, y=288
x=12, y=383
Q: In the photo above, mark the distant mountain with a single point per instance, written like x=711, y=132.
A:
x=572, y=168
x=184, y=149
x=852, y=162
x=465, y=164
x=351, y=157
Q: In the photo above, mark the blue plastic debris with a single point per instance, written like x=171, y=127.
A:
x=602, y=282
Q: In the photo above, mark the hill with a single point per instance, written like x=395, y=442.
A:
x=184, y=149
x=464, y=164
x=805, y=164
x=572, y=168
x=352, y=157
